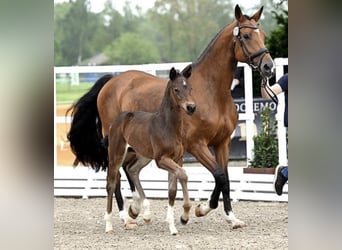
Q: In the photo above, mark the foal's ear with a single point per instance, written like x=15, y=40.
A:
x=238, y=13
x=257, y=15
x=187, y=71
x=173, y=74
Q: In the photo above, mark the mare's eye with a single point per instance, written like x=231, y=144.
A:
x=176, y=90
x=246, y=36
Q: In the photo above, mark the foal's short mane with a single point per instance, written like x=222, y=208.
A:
x=167, y=95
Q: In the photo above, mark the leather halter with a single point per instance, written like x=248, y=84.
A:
x=248, y=55
x=269, y=91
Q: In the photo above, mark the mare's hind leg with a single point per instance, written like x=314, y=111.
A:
x=139, y=198
x=129, y=160
x=222, y=159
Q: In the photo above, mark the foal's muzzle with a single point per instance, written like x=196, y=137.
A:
x=190, y=109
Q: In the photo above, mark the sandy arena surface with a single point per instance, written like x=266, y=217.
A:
x=79, y=224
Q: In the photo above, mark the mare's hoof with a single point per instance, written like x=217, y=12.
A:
x=184, y=222
x=239, y=224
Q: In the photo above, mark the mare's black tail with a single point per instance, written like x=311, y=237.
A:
x=85, y=134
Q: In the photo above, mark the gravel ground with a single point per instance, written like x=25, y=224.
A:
x=79, y=224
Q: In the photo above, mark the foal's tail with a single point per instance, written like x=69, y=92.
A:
x=85, y=134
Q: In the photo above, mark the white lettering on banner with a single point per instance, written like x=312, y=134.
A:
x=257, y=106
x=240, y=107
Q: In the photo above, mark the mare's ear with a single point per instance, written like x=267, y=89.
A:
x=238, y=13
x=173, y=74
x=257, y=15
x=187, y=71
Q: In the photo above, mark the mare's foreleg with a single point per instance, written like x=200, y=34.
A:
x=222, y=158
x=204, y=156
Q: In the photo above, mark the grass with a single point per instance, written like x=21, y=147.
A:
x=67, y=93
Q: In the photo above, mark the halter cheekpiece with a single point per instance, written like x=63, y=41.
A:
x=248, y=55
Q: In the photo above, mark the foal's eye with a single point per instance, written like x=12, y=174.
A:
x=176, y=90
x=246, y=36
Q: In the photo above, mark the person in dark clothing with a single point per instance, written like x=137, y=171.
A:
x=281, y=172
x=238, y=83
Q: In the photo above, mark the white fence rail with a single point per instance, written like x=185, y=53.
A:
x=84, y=182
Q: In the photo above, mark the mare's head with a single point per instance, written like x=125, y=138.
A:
x=180, y=89
x=250, y=43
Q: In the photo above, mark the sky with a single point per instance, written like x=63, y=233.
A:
x=98, y=5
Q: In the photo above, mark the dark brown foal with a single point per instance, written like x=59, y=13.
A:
x=157, y=136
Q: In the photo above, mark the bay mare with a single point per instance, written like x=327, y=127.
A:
x=212, y=124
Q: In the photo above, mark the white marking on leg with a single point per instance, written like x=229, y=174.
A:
x=147, y=211
x=123, y=215
x=171, y=220
x=236, y=223
x=135, y=196
x=136, y=205
x=109, y=225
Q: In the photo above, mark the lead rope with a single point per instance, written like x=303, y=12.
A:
x=269, y=91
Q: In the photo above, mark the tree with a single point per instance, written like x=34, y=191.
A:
x=186, y=26
x=75, y=30
x=131, y=48
x=277, y=42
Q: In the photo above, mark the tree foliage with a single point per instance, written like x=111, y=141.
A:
x=172, y=30
x=277, y=42
x=131, y=48
x=265, y=143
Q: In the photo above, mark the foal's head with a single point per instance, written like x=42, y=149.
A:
x=180, y=89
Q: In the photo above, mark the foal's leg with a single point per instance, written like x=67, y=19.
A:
x=113, y=177
x=140, y=197
x=172, y=191
x=171, y=166
x=116, y=155
x=222, y=159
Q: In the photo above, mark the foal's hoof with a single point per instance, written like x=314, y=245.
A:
x=147, y=221
x=131, y=213
x=183, y=221
x=131, y=225
x=198, y=212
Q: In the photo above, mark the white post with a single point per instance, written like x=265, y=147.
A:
x=249, y=112
x=75, y=76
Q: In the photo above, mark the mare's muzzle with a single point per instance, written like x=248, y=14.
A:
x=190, y=108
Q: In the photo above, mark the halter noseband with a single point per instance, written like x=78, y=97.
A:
x=248, y=55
